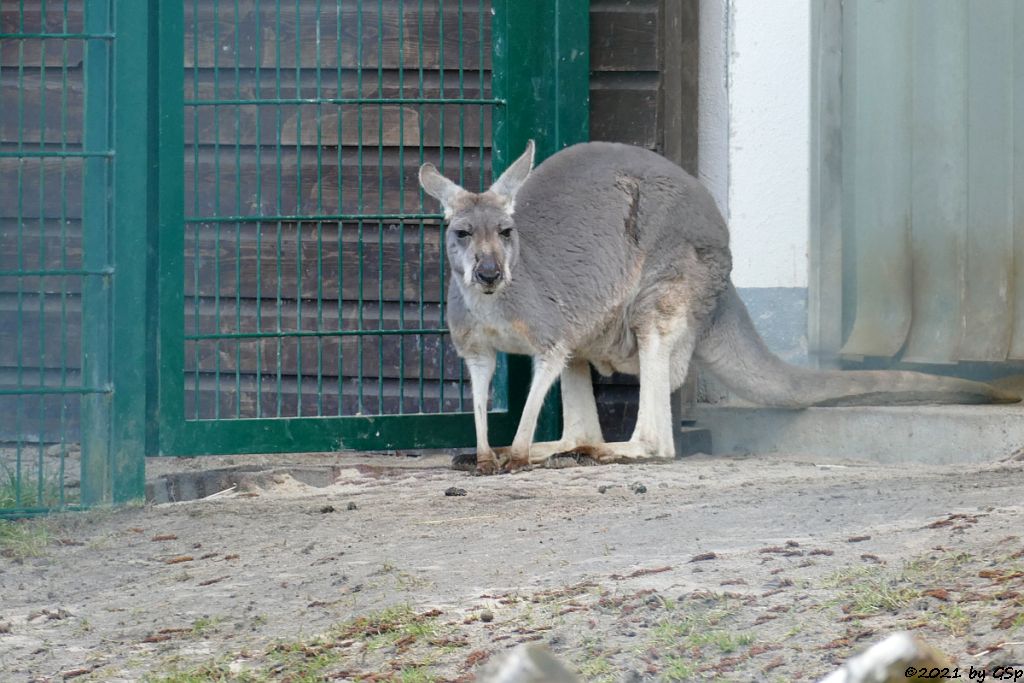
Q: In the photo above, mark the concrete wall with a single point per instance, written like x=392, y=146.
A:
x=754, y=129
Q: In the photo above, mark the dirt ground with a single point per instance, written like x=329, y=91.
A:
x=733, y=568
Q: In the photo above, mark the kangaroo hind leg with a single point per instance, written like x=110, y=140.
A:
x=663, y=347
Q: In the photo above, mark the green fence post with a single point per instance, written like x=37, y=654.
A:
x=542, y=72
x=96, y=257
x=134, y=230
x=117, y=220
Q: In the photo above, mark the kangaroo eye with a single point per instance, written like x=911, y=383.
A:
x=506, y=233
x=462, y=234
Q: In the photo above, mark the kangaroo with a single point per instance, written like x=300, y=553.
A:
x=612, y=256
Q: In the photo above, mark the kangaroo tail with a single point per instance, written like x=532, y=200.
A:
x=733, y=351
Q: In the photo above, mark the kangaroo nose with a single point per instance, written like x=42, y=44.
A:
x=487, y=271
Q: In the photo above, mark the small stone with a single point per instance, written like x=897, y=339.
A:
x=454, y=491
x=326, y=508
x=603, y=489
x=637, y=487
x=487, y=616
x=351, y=506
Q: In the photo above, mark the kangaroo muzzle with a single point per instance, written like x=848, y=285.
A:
x=487, y=272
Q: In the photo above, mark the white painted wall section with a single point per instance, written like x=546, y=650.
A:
x=755, y=91
x=713, y=101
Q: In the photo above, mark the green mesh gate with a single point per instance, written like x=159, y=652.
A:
x=302, y=272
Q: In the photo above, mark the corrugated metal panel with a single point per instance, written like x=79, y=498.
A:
x=933, y=170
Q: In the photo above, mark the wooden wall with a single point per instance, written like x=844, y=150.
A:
x=40, y=226
x=309, y=160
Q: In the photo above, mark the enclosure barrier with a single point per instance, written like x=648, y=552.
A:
x=74, y=206
x=212, y=236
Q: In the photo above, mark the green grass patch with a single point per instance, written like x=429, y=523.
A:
x=387, y=627
x=872, y=590
x=954, y=619
x=23, y=539
x=207, y=673
x=700, y=630
x=678, y=669
x=597, y=669
x=27, y=491
x=317, y=659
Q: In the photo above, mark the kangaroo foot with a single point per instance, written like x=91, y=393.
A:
x=517, y=464
x=487, y=463
x=487, y=467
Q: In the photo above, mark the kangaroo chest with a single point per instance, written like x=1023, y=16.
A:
x=489, y=325
x=507, y=335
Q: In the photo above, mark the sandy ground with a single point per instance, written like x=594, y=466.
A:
x=753, y=568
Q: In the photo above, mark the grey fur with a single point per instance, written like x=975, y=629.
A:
x=612, y=255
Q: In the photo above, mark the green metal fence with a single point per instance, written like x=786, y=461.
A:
x=64, y=104
x=303, y=283
x=211, y=235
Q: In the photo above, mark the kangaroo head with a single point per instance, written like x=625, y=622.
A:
x=481, y=238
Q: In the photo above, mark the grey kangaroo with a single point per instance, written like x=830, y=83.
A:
x=612, y=256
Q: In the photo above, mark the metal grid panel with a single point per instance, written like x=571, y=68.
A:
x=52, y=167
x=314, y=268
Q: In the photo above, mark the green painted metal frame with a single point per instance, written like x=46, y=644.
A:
x=549, y=39
x=118, y=216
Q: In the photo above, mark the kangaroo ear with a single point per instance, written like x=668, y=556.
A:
x=439, y=187
x=514, y=176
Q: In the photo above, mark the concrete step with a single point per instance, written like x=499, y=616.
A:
x=927, y=434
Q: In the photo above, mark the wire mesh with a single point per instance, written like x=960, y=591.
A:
x=48, y=177
x=314, y=267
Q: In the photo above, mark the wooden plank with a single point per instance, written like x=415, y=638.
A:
x=325, y=124
x=876, y=73
x=315, y=404
x=624, y=108
x=38, y=419
x=298, y=266
x=33, y=337
x=677, y=96
x=402, y=356
x=217, y=261
x=225, y=82
x=47, y=187
x=44, y=344
x=46, y=245
x=33, y=53
x=53, y=113
x=987, y=309
x=263, y=315
x=30, y=52
x=386, y=187
x=624, y=39
x=270, y=36
x=28, y=16
x=939, y=200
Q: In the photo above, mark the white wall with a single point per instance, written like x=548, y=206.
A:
x=755, y=131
